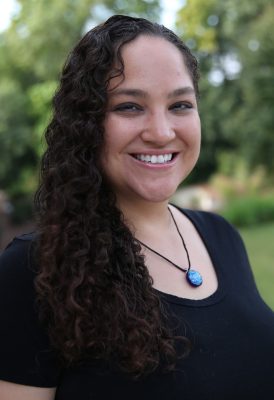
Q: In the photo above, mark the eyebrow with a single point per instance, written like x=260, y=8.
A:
x=128, y=92
x=143, y=94
x=182, y=91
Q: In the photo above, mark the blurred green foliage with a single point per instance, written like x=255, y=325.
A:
x=234, y=41
x=249, y=211
x=258, y=238
x=32, y=52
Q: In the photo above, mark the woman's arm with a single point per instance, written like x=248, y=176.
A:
x=28, y=367
x=13, y=391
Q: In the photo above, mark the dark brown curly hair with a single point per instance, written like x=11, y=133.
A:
x=93, y=288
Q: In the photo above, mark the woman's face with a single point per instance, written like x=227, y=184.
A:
x=152, y=125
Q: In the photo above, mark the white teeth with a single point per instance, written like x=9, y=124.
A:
x=153, y=159
x=161, y=159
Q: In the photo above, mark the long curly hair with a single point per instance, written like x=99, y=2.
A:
x=93, y=289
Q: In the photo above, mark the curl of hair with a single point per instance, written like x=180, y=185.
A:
x=93, y=288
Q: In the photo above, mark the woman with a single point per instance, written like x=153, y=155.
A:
x=120, y=293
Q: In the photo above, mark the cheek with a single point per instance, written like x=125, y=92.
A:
x=114, y=132
x=197, y=133
x=190, y=132
x=110, y=143
x=119, y=133
x=114, y=143
x=196, y=129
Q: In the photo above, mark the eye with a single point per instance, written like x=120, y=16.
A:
x=181, y=106
x=128, y=107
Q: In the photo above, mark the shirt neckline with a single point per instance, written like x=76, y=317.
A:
x=220, y=292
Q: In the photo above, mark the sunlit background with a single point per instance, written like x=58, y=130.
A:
x=234, y=43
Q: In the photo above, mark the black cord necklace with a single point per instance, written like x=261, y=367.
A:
x=194, y=278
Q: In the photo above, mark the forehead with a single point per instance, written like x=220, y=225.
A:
x=152, y=60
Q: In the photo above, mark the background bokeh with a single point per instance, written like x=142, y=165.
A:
x=234, y=42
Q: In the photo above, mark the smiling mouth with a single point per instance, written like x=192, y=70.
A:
x=155, y=159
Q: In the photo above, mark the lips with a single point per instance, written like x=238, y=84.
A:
x=154, y=158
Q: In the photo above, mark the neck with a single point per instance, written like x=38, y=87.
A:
x=146, y=218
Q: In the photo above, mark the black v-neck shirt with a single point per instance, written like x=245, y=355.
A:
x=231, y=331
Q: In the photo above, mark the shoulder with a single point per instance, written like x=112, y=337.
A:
x=20, y=245
x=213, y=226
x=206, y=218
x=26, y=354
x=17, y=273
x=17, y=262
x=221, y=237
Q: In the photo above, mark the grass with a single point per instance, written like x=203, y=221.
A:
x=259, y=241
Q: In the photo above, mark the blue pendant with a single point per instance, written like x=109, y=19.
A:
x=194, y=277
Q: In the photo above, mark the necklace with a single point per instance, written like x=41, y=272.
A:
x=194, y=278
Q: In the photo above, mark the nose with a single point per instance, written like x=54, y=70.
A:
x=158, y=129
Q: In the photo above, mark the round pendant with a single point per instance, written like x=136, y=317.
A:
x=194, y=277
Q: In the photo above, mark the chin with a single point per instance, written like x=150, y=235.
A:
x=158, y=196
x=162, y=191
